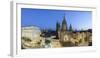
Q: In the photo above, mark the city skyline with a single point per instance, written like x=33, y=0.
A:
x=47, y=19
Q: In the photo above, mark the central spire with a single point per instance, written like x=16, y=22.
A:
x=64, y=24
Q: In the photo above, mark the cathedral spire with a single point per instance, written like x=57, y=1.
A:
x=70, y=28
x=57, y=26
x=64, y=24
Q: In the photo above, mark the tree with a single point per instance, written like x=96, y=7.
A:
x=26, y=39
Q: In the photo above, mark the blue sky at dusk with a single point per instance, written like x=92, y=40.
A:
x=44, y=18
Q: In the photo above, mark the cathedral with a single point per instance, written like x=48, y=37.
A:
x=68, y=38
x=63, y=34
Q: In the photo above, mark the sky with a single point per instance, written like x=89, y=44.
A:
x=46, y=19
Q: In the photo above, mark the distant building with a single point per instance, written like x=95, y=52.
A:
x=32, y=33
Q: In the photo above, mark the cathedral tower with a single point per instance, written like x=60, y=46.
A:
x=63, y=32
x=58, y=30
x=64, y=25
